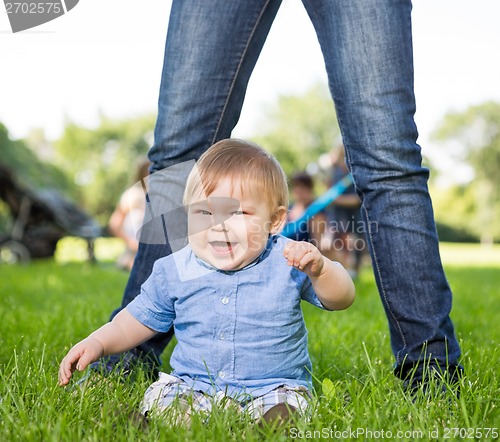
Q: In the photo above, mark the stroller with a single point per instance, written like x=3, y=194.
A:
x=41, y=217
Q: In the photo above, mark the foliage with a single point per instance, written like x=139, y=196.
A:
x=56, y=305
x=299, y=128
x=27, y=168
x=29, y=173
x=455, y=208
x=474, y=136
x=102, y=161
x=447, y=232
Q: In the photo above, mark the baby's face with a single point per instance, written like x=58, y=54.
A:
x=230, y=228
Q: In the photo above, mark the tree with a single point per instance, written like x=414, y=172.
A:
x=299, y=128
x=102, y=161
x=473, y=136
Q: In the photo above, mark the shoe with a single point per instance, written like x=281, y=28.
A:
x=278, y=414
x=432, y=380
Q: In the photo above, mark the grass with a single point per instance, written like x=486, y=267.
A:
x=47, y=306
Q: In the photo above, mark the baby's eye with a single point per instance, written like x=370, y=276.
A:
x=204, y=212
x=238, y=212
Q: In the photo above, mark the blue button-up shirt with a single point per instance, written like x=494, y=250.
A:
x=238, y=331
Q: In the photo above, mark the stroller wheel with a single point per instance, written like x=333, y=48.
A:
x=14, y=252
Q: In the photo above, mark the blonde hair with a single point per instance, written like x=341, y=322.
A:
x=239, y=160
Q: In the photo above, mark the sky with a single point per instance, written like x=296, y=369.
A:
x=105, y=57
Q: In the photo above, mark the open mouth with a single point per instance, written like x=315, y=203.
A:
x=223, y=248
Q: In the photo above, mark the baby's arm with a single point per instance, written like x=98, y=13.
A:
x=331, y=282
x=123, y=333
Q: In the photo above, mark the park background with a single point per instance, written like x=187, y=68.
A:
x=77, y=106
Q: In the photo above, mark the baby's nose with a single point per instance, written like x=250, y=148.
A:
x=220, y=227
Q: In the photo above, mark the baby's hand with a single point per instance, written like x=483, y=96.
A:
x=81, y=355
x=305, y=257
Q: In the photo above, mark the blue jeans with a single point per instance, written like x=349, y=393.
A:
x=211, y=50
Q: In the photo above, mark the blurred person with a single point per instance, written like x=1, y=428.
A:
x=128, y=215
x=344, y=234
x=302, y=192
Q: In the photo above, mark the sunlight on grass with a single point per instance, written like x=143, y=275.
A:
x=71, y=249
x=471, y=255
x=109, y=249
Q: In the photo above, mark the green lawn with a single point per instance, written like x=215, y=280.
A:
x=47, y=306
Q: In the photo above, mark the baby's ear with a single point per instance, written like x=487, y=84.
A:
x=278, y=220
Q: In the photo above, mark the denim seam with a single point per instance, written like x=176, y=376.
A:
x=382, y=286
x=231, y=87
x=375, y=260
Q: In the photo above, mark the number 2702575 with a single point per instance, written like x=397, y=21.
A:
x=33, y=8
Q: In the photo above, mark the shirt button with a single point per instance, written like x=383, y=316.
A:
x=222, y=375
x=222, y=336
x=225, y=300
